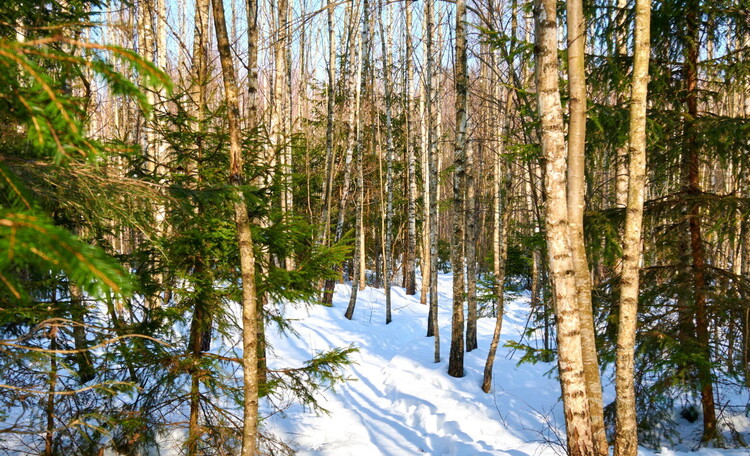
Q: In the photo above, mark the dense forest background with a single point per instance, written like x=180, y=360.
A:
x=172, y=170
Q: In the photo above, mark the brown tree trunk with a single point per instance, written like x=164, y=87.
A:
x=49, y=435
x=358, y=260
x=693, y=189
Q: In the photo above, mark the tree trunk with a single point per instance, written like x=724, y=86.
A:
x=626, y=437
x=424, y=100
x=470, y=244
x=201, y=319
x=353, y=78
x=501, y=217
x=693, y=188
x=331, y=96
x=49, y=442
x=456, y=356
x=411, y=167
x=432, y=317
x=621, y=178
x=359, y=236
x=388, y=236
x=576, y=26
x=570, y=362
x=244, y=238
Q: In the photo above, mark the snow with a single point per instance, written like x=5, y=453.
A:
x=399, y=402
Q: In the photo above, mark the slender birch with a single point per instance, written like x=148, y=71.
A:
x=456, y=356
x=576, y=26
x=411, y=171
x=387, y=238
x=432, y=318
x=626, y=436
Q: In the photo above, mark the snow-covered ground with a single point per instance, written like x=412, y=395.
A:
x=401, y=403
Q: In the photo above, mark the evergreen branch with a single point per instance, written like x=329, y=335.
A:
x=104, y=386
x=82, y=350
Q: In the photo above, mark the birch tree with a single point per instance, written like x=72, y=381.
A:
x=411, y=167
x=456, y=356
x=576, y=26
x=626, y=436
x=562, y=268
x=388, y=235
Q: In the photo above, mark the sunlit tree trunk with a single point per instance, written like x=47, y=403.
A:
x=621, y=178
x=626, y=437
x=353, y=76
x=500, y=217
x=359, y=236
x=470, y=246
x=432, y=318
x=411, y=167
x=388, y=236
x=576, y=26
x=330, y=97
x=562, y=268
x=424, y=127
x=456, y=356
x=244, y=238
x=200, y=326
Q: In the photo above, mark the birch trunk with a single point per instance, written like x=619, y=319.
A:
x=470, y=246
x=424, y=100
x=411, y=171
x=353, y=78
x=562, y=268
x=432, y=318
x=621, y=179
x=367, y=70
x=576, y=26
x=388, y=235
x=626, y=436
x=456, y=356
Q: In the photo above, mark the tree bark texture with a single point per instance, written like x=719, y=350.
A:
x=562, y=268
x=501, y=217
x=411, y=167
x=388, y=235
x=626, y=436
x=456, y=356
x=244, y=238
x=576, y=26
x=470, y=243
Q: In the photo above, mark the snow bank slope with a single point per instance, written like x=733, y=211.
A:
x=402, y=403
